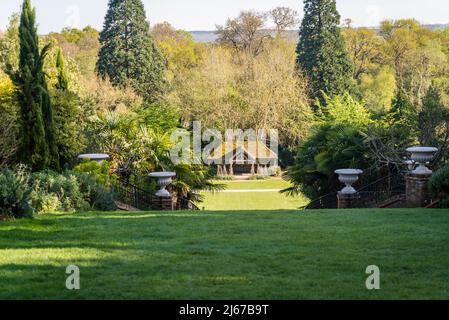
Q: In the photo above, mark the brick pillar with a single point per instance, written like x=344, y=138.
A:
x=347, y=201
x=417, y=193
x=163, y=203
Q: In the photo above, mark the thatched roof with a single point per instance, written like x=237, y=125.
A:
x=252, y=150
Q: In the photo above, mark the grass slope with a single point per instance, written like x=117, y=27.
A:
x=240, y=255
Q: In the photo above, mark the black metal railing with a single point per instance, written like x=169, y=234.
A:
x=134, y=196
x=372, y=195
x=141, y=199
x=381, y=191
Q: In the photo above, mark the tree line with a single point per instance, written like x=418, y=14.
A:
x=341, y=96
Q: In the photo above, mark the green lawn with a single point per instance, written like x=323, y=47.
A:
x=256, y=184
x=223, y=255
x=252, y=200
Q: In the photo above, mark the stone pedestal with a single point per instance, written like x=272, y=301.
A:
x=347, y=201
x=417, y=193
x=163, y=203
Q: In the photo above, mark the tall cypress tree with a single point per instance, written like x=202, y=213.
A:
x=50, y=128
x=29, y=78
x=63, y=82
x=322, y=55
x=128, y=55
x=66, y=112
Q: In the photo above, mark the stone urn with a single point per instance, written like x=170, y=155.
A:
x=348, y=177
x=97, y=157
x=164, y=180
x=421, y=156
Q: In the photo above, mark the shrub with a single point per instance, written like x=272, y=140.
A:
x=99, y=173
x=257, y=178
x=97, y=184
x=330, y=147
x=15, y=193
x=47, y=185
x=439, y=186
x=99, y=196
x=45, y=202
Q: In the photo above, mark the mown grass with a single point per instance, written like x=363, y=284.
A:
x=253, y=200
x=256, y=184
x=224, y=255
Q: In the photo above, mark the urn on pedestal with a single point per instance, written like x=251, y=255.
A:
x=348, y=177
x=421, y=156
x=164, y=180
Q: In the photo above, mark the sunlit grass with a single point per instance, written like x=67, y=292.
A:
x=253, y=200
x=224, y=255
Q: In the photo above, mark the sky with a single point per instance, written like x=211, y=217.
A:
x=194, y=15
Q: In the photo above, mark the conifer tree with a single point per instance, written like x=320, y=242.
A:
x=63, y=82
x=67, y=111
x=128, y=55
x=34, y=149
x=321, y=50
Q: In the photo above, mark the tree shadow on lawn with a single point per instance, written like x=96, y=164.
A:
x=246, y=255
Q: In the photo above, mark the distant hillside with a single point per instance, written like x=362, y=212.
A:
x=210, y=36
x=437, y=26
x=203, y=36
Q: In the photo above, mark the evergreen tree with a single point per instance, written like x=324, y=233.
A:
x=67, y=111
x=128, y=55
x=404, y=125
x=321, y=50
x=432, y=116
x=50, y=128
x=63, y=82
x=29, y=78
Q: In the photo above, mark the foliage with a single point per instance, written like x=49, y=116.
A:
x=178, y=48
x=38, y=147
x=378, y=90
x=9, y=126
x=284, y=18
x=191, y=180
x=101, y=173
x=434, y=120
x=57, y=192
x=245, y=33
x=251, y=92
x=439, y=185
x=344, y=109
x=97, y=195
x=365, y=48
x=63, y=82
x=15, y=193
x=322, y=54
x=100, y=96
x=135, y=147
x=330, y=147
x=128, y=55
x=69, y=121
x=80, y=46
x=9, y=45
